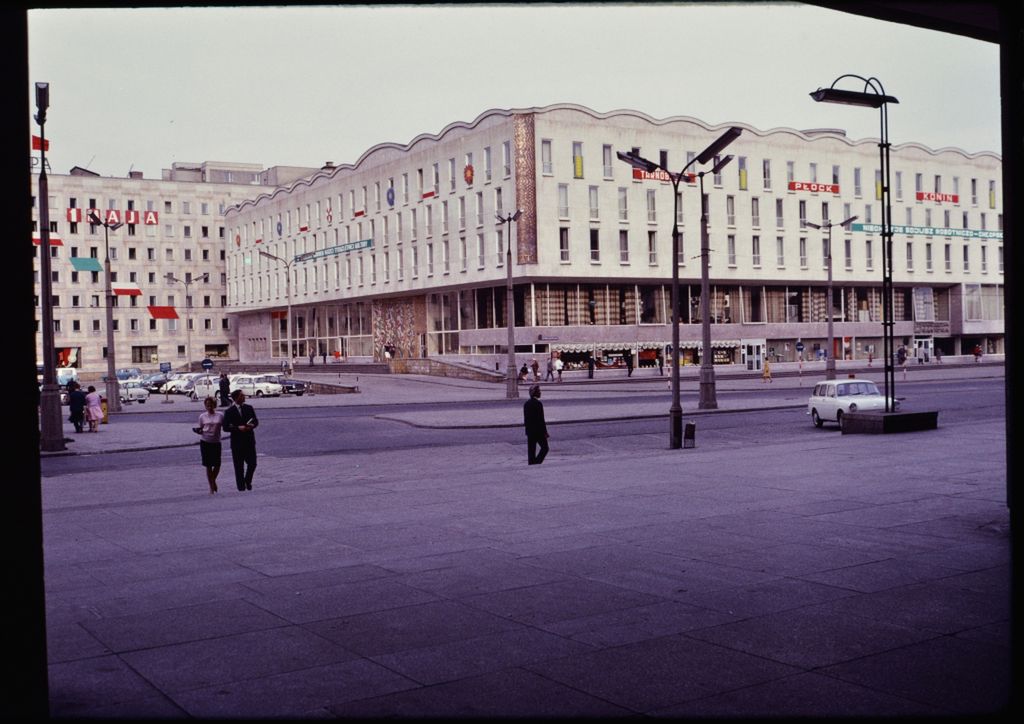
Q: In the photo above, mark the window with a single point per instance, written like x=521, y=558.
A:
x=814, y=173
x=780, y=251
x=790, y=172
x=506, y=158
x=918, y=183
x=545, y=157
x=487, y=164
x=991, y=194
x=766, y=169
x=910, y=256
x=652, y=213
x=500, y=246
x=779, y=219
x=856, y=182
x=717, y=178
x=848, y=253
x=928, y=256
x=623, y=205
x=899, y=186
x=594, y=205
x=606, y=156
x=652, y=247
x=755, y=211
x=755, y=250
x=481, y=251
x=577, y=159
x=803, y=252
x=731, y=249
x=948, y=257
x=803, y=214
x=563, y=245
x=623, y=246
x=835, y=175
x=480, y=208
x=730, y=211
x=742, y=170
x=869, y=259
x=595, y=246
x=967, y=258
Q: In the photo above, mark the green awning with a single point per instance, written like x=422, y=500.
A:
x=86, y=263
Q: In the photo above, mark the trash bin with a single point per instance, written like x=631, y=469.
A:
x=689, y=435
x=103, y=406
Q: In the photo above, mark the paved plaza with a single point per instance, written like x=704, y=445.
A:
x=828, y=575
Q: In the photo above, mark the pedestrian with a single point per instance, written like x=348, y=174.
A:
x=536, y=429
x=766, y=373
x=549, y=376
x=240, y=420
x=535, y=366
x=211, y=422
x=661, y=363
x=977, y=353
x=224, y=387
x=93, y=409
x=629, y=362
x=901, y=355
x=590, y=366
x=558, y=367
x=312, y=356
x=76, y=405
x=938, y=355
x=284, y=368
x=323, y=354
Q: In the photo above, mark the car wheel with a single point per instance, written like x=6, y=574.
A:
x=142, y=402
x=194, y=396
x=839, y=418
x=298, y=394
x=259, y=393
x=818, y=422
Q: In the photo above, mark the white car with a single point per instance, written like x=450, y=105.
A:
x=831, y=399
x=175, y=385
x=252, y=386
x=205, y=386
x=133, y=392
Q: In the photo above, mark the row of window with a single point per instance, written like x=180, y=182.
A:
x=131, y=229
x=135, y=325
x=326, y=211
x=741, y=169
x=755, y=218
x=133, y=253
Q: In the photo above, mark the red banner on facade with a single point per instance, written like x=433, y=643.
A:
x=814, y=187
x=74, y=215
x=936, y=196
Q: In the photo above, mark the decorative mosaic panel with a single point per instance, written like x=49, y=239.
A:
x=394, y=323
x=526, y=187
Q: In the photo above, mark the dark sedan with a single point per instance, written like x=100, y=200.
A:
x=289, y=386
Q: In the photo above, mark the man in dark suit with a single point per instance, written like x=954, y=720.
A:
x=240, y=420
x=536, y=429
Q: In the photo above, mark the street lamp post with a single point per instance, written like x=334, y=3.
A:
x=113, y=384
x=288, y=298
x=51, y=425
x=188, y=317
x=873, y=96
x=511, y=385
x=646, y=166
x=830, y=360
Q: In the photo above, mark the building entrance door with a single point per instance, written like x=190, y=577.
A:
x=923, y=348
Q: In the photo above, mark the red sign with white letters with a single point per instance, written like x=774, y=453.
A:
x=937, y=197
x=74, y=215
x=113, y=216
x=814, y=187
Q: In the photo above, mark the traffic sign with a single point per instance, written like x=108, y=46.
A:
x=799, y=346
x=207, y=364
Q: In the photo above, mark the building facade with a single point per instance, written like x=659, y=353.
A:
x=403, y=251
x=174, y=225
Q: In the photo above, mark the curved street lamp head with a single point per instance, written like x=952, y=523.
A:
x=517, y=214
x=849, y=221
x=874, y=99
x=812, y=225
x=42, y=101
x=721, y=164
x=637, y=162
x=720, y=143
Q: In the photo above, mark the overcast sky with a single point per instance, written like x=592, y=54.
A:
x=142, y=88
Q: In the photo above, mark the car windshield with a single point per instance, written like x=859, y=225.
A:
x=857, y=388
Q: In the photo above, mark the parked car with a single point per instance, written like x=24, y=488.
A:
x=154, y=382
x=289, y=386
x=176, y=383
x=133, y=391
x=128, y=374
x=253, y=386
x=63, y=375
x=831, y=399
x=203, y=386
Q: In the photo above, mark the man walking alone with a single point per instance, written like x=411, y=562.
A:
x=240, y=420
x=536, y=429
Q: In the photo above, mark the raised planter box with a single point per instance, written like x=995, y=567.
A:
x=881, y=423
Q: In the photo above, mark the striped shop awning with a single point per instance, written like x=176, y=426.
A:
x=163, y=312
x=86, y=264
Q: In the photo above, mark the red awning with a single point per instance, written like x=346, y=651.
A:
x=54, y=240
x=163, y=312
x=128, y=290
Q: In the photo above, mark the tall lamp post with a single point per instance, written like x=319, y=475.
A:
x=113, y=384
x=511, y=385
x=288, y=297
x=830, y=360
x=642, y=164
x=51, y=426
x=873, y=96
x=188, y=317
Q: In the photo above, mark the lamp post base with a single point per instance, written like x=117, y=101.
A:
x=51, y=425
x=511, y=385
x=675, y=439
x=708, y=397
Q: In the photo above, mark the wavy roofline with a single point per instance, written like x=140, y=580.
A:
x=809, y=135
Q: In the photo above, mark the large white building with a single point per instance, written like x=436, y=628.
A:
x=172, y=225
x=402, y=248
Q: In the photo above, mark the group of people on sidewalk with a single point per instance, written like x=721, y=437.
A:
x=84, y=407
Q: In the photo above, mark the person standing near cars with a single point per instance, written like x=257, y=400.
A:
x=240, y=420
x=211, y=423
x=93, y=409
x=536, y=429
x=224, y=386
